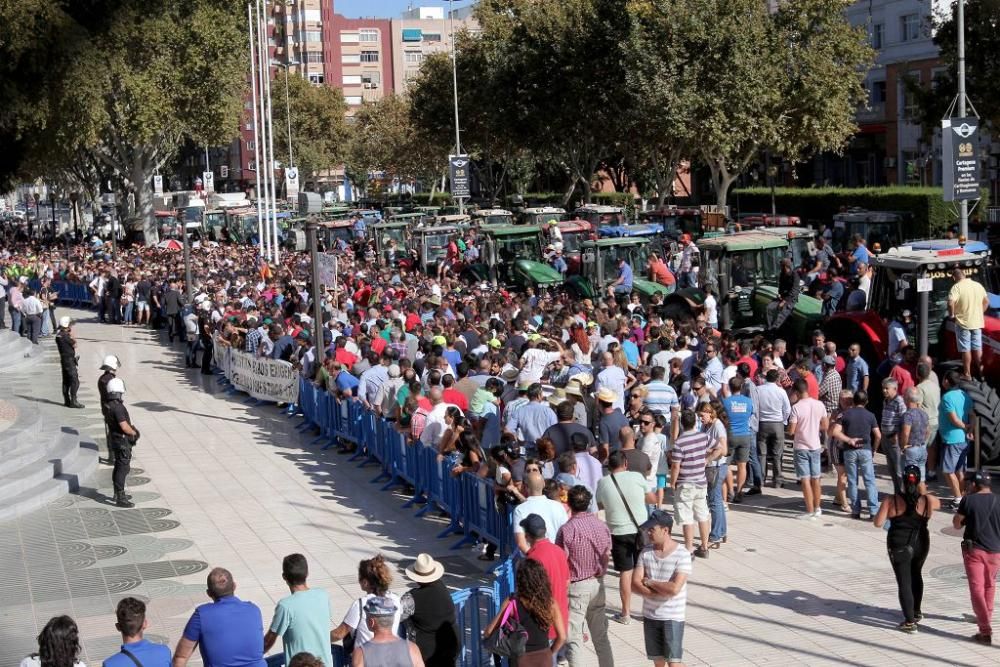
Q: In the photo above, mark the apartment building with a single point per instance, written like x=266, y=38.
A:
x=358, y=55
x=420, y=32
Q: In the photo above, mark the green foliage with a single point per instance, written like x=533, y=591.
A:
x=319, y=128
x=931, y=214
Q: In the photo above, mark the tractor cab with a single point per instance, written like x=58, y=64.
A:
x=801, y=243
x=675, y=221
x=599, y=215
x=392, y=235
x=512, y=255
x=541, y=215
x=330, y=232
x=431, y=244
x=574, y=233
x=599, y=267
x=492, y=216
x=880, y=229
x=213, y=222
x=749, y=221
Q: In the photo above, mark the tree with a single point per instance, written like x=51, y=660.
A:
x=319, y=129
x=789, y=82
x=131, y=80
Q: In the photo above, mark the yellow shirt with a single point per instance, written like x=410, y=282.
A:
x=967, y=295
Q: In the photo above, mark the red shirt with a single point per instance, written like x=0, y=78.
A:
x=902, y=378
x=812, y=384
x=378, y=344
x=750, y=361
x=346, y=358
x=841, y=364
x=553, y=559
x=455, y=397
x=412, y=321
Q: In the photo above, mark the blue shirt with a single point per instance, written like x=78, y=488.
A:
x=855, y=373
x=347, y=382
x=860, y=255
x=631, y=351
x=625, y=273
x=533, y=419
x=229, y=632
x=145, y=651
x=957, y=401
x=740, y=410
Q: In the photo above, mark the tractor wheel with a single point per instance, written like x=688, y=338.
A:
x=987, y=407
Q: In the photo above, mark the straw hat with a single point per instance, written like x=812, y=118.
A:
x=558, y=396
x=607, y=395
x=573, y=389
x=585, y=379
x=424, y=570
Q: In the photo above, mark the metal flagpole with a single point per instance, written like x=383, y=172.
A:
x=262, y=137
x=270, y=149
x=256, y=142
x=963, y=211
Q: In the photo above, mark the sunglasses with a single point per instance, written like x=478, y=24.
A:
x=646, y=422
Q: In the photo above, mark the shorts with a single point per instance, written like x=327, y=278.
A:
x=663, y=639
x=953, y=457
x=624, y=554
x=807, y=463
x=835, y=452
x=969, y=340
x=621, y=289
x=691, y=504
x=661, y=481
x=739, y=448
x=141, y=306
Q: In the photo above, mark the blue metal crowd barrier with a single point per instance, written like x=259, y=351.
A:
x=70, y=294
x=474, y=609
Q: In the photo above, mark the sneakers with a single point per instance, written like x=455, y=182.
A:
x=624, y=619
x=818, y=512
x=753, y=491
x=806, y=516
x=908, y=627
x=954, y=504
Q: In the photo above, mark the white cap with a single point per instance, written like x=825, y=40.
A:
x=116, y=386
x=111, y=362
x=65, y=322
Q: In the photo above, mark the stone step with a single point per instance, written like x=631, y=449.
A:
x=71, y=476
x=26, y=431
x=26, y=450
x=55, y=456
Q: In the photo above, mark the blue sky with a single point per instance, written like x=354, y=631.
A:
x=386, y=9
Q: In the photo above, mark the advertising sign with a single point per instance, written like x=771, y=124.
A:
x=458, y=168
x=158, y=185
x=292, y=184
x=327, y=266
x=959, y=145
x=208, y=178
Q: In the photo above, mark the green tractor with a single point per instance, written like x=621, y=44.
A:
x=599, y=267
x=510, y=256
x=742, y=269
x=396, y=229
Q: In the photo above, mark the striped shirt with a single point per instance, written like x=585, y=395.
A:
x=892, y=416
x=690, y=451
x=662, y=569
x=661, y=398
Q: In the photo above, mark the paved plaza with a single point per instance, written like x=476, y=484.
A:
x=218, y=482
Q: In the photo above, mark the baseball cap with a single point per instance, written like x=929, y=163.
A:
x=380, y=606
x=658, y=518
x=533, y=525
x=830, y=360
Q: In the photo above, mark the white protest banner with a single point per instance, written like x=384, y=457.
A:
x=327, y=270
x=264, y=379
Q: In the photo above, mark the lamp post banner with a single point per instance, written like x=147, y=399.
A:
x=458, y=168
x=959, y=147
x=327, y=266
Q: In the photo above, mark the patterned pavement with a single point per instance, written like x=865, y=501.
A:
x=217, y=482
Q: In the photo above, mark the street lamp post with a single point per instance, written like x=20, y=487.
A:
x=318, y=341
x=963, y=210
x=52, y=205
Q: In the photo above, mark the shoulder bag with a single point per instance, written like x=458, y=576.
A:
x=640, y=542
x=509, y=639
x=352, y=636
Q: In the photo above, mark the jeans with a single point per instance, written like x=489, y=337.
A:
x=191, y=353
x=15, y=321
x=860, y=461
x=129, y=307
x=916, y=456
x=587, y=604
x=755, y=474
x=981, y=570
x=716, y=506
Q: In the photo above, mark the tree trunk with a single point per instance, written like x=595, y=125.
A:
x=586, y=189
x=140, y=175
x=569, y=192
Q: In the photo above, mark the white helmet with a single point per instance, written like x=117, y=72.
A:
x=111, y=363
x=116, y=386
x=65, y=322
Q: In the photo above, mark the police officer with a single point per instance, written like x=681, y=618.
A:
x=122, y=436
x=110, y=368
x=68, y=361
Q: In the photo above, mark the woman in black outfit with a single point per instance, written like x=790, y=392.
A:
x=538, y=613
x=908, y=542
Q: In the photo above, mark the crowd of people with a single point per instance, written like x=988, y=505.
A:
x=574, y=406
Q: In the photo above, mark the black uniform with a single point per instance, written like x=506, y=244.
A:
x=68, y=363
x=102, y=389
x=121, y=445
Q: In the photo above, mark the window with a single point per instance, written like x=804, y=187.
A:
x=349, y=38
x=910, y=106
x=314, y=35
x=352, y=79
x=412, y=34
x=368, y=35
x=909, y=27
x=249, y=126
x=369, y=56
x=252, y=165
x=432, y=36
x=878, y=92
x=353, y=100
x=878, y=35
x=411, y=75
x=371, y=77
x=350, y=59
x=313, y=15
x=314, y=56
x=413, y=57
x=316, y=79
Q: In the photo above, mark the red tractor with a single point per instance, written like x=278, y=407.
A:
x=919, y=281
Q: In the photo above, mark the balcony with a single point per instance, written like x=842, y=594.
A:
x=874, y=113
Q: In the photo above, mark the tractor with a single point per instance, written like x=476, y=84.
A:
x=879, y=229
x=598, y=214
x=599, y=267
x=492, y=216
x=541, y=215
x=742, y=270
x=510, y=255
x=919, y=281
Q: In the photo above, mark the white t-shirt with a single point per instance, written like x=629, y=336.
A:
x=551, y=511
x=613, y=378
x=663, y=569
x=711, y=311
x=434, y=426
x=534, y=362
x=652, y=446
x=353, y=618
x=662, y=358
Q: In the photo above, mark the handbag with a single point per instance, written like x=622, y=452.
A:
x=351, y=637
x=509, y=639
x=639, y=541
